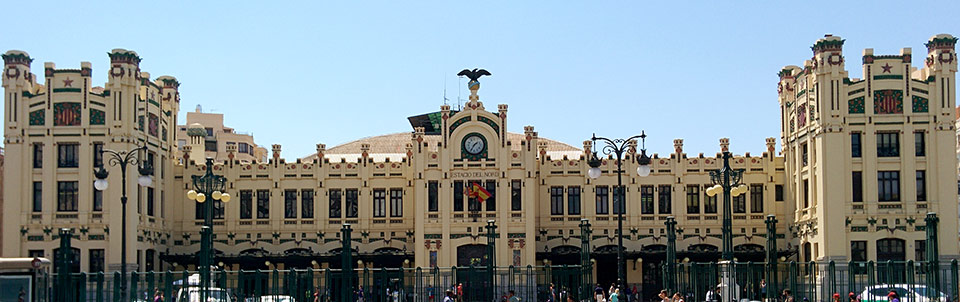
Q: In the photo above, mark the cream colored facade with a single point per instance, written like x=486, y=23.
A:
x=217, y=139
x=402, y=193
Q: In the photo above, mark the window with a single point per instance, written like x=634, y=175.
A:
x=573, y=200
x=807, y=253
x=352, y=205
x=472, y=202
x=335, y=202
x=38, y=196
x=289, y=204
x=664, y=206
x=150, y=201
x=710, y=204
x=857, y=186
x=739, y=203
x=96, y=260
x=888, y=144
x=858, y=251
x=618, y=206
x=246, y=204
x=306, y=203
x=67, y=155
x=263, y=204
x=458, y=196
x=209, y=131
x=74, y=260
x=201, y=208
x=756, y=198
x=67, y=196
x=806, y=193
x=919, y=143
x=210, y=145
x=97, y=200
x=37, y=155
x=778, y=194
x=35, y=253
x=433, y=196
x=921, y=185
x=243, y=148
x=516, y=196
x=646, y=199
x=603, y=198
x=97, y=154
x=889, y=185
x=804, y=154
x=492, y=200
x=379, y=203
x=920, y=250
x=891, y=249
x=556, y=200
x=149, y=260
x=396, y=202
x=855, y=145
x=693, y=199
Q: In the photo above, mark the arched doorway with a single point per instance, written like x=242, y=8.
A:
x=749, y=252
x=472, y=255
x=564, y=255
x=606, y=265
x=472, y=260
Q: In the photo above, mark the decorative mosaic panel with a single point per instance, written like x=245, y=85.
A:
x=97, y=117
x=37, y=117
x=458, y=123
x=490, y=123
x=889, y=101
x=154, y=125
x=802, y=115
x=140, y=123
x=855, y=105
x=163, y=133
x=920, y=104
x=66, y=114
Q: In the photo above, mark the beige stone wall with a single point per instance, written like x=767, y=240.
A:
x=223, y=135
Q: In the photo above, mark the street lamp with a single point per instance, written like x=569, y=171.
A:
x=727, y=182
x=133, y=157
x=617, y=147
x=211, y=185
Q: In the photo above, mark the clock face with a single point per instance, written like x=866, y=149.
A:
x=473, y=144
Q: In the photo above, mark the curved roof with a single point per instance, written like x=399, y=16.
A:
x=393, y=146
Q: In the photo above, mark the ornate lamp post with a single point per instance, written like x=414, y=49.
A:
x=122, y=159
x=617, y=147
x=727, y=181
x=211, y=185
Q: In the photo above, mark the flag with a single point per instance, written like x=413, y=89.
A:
x=478, y=192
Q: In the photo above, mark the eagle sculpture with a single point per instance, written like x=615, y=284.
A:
x=474, y=74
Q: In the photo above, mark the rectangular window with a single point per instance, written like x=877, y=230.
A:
x=710, y=204
x=396, y=202
x=756, y=198
x=433, y=196
x=739, y=203
x=150, y=201
x=919, y=143
x=804, y=154
x=306, y=203
x=97, y=200
x=97, y=154
x=352, y=204
x=665, y=202
x=335, y=202
x=806, y=193
x=857, y=186
x=67, y=155
x=646, y=199
x=618, y=206
x=920, y=250
x=603, y=200
x=472, y=203
x=556, y=200
x=35, y=253
x=858, y=251
x=888, y=144
x=888, y=183
x=573, y=200
x=246, y=204
x=217, y=209
x=516, y=196
x=778, y=192
x=458, y=196
x=379, y=202
x=96, y=260
x=492, y=200
x=921, y=185
x=38, y=196
x=693, y=199
x=148, y=259
x=263, y=204
x=855, y=145
x=37, y=155
x=289, y=204
x=67, y=196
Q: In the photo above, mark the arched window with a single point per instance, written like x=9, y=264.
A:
x=891, y=249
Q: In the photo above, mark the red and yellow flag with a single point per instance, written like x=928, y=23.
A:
x=478, y=192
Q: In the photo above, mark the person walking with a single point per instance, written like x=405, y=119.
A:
x=511, y=296
x=893, y=296
x=552, y=294
x=449, y=296
x=787, y=297
x=598, y=295
x=157, y=295
x=615, y=295
x=460, y=292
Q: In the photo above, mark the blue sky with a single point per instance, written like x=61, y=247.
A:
x=298, y=74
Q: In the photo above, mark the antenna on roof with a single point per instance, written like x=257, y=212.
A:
x=445, y=99
x=459, y=89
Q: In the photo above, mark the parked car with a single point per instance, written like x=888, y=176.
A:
x=214, y=294
x=271, y=298
x=907, y=293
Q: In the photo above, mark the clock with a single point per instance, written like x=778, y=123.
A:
x=474, y=144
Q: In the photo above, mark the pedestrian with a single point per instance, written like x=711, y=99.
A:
x=763, y=288
x=636, y=294
x=316, y=294
x=626, y=294
x=430, y=293
x=552, y=294
x=360, y=294
x=787, y=297
x=893, y=296
x=711, y=296
x=677, y=297
x=836, y=297
x=598, y=294
x=852, y=297
x=460, y=292
x=157, y=295
x=663, y=296
x=448, y=296
x=511, y=296
x=615, y=295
